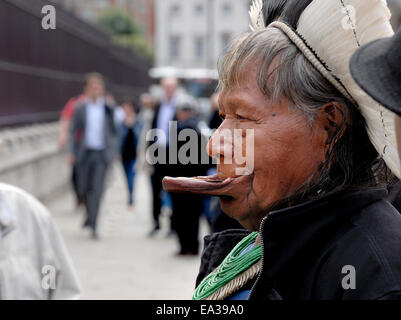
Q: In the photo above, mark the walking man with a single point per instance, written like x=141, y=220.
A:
x=97, y=149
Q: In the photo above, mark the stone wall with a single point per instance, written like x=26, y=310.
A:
x=31, y=159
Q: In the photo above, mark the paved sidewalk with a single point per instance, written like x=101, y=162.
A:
x=125, y=263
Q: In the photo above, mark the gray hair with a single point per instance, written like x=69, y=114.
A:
x=294, y=79
x=352, y=161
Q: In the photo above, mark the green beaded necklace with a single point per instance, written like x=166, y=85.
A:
x=231, y=267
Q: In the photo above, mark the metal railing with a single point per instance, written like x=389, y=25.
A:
x=40, y=70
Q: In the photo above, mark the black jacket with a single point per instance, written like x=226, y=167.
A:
x=307, y=249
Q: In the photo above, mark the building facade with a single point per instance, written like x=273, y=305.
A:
x=194, y=33
x=90, y=11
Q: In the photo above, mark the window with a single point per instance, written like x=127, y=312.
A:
x=198, y=9
x=175, y=10
x=143, y=8
x=175, y=47
x=199, y=47
x=226, y=8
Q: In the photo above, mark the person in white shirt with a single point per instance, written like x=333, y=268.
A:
x=34, y=262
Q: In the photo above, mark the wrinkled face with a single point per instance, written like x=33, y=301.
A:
x=287, y=151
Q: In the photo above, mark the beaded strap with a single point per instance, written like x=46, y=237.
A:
x=312, y=57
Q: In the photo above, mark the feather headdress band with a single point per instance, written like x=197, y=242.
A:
x=256, y=15
x=328, y=32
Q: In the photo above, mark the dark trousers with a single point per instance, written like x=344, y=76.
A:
x=187, y=210
x=156, y=179
x=128, y=166
x=74, y=180
x=92, y=174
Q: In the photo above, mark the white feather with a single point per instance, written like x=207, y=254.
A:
x=256, y=15
x=335, y=37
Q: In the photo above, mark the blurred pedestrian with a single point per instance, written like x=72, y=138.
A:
x=32, y=251
x=129, y=132
x=187, y=208
x=145, y=117
x=164, y=113
x=96, y=151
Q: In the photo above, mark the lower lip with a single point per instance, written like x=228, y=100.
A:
x=212, y=186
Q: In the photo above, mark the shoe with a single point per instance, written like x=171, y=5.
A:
x=179, y=254
x=95, y=236
x=186, y=254
x=171, y=234
x=86, y=224
x=130, y=202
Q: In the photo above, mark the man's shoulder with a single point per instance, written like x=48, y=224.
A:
x=11, y=190
x=369, y=250
x=377, y=230
x=21, y=202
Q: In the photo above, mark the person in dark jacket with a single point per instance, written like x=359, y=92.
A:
x=164, y=114
x=187, y=208
x=311, y=187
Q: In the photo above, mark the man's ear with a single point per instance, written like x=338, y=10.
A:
x=334, y=117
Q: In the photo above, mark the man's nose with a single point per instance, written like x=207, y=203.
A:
x=220, y=145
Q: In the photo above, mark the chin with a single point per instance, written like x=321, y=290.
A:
x=230, y=207
x=235, y=209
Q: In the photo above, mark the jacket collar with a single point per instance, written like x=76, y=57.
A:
x=293, y=237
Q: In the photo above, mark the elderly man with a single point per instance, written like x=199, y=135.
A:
x=313, y=198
